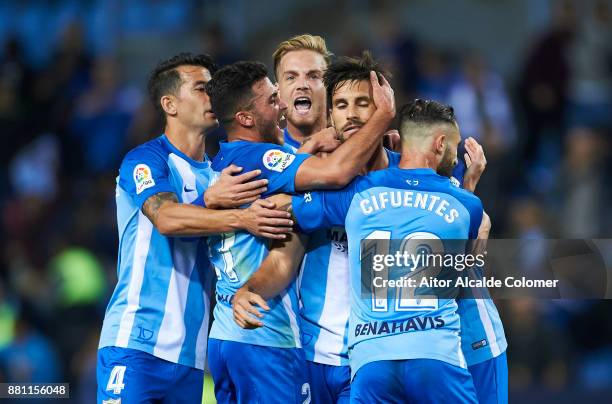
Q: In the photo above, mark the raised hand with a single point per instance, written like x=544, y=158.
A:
x=383, y=95
x=475, y=162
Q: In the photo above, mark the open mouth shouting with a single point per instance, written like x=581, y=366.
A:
x=302, y=105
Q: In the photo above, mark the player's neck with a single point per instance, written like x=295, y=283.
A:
x=190, y=142
x=417, y=159
x=300, y=133
x=378, y=161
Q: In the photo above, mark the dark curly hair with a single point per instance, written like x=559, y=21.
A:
x=350, y=69
x=230, y=89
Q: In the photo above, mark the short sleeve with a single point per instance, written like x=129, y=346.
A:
x=323, y=209
x=279, y=166
x=476, y=213
x=143, y=173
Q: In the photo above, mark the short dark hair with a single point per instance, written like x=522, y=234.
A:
x=427, y=112
x=165, y=79
x=230, y=89
x=350, y=69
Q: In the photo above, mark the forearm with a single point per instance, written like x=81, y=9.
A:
x=279, y=268
x=270, y=279
x=345, y=163
x=179, y=219
x=281, y=265
x=470, y=184
x=309, y=145
x=350, y=158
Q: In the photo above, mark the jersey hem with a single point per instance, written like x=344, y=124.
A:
x=149, y=350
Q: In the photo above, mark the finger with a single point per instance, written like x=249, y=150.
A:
x=469, y=143
x=252, y=310
x=244, y=316
x=384, y=82
x=273, y=213
x=275, y=229
x=468, y=160
x=258, y=300
x=239, y=321
x=250, y=194
x=238, y=318
x=252, y=323
x=249, y=176
x=249, y=186
x=272, y=236
x=472, y=150
x=374, y=80
x=232, y=169
x=474, y=141
x=276, y=222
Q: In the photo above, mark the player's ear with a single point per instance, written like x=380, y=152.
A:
x=440, y=144
x=245, y=119
x=168, y=104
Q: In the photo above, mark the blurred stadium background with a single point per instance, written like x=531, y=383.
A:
x=531, y=80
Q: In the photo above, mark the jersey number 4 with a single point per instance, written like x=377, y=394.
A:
x=115, y=381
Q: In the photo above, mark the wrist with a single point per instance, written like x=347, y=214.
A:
x=384, y=116
x=210, y=202
x=469, y=185
x=238, y=221
x=309, y=145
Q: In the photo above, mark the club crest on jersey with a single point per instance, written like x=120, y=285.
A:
x=277, y=160
x=143, y=178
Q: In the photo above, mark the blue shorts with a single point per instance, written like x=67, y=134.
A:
x=246, y=373
x=329, y=384
x=138, y=377
x=412, y=381
x=491, y=380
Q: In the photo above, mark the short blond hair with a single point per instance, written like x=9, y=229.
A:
x=300, y=42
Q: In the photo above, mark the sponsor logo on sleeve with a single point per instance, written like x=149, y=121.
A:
x=277, y=160
x=143, y=178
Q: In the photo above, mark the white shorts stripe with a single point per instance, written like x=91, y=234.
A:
x=141, y=251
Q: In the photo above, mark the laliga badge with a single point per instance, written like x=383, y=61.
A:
x=143, y=178
x=277, y=160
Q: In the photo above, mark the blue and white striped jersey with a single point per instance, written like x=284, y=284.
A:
x=323, y=288
x=237, y=255
x=396, y=204
x=161, y=302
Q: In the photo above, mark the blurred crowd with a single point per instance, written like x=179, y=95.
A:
x=68, y=115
